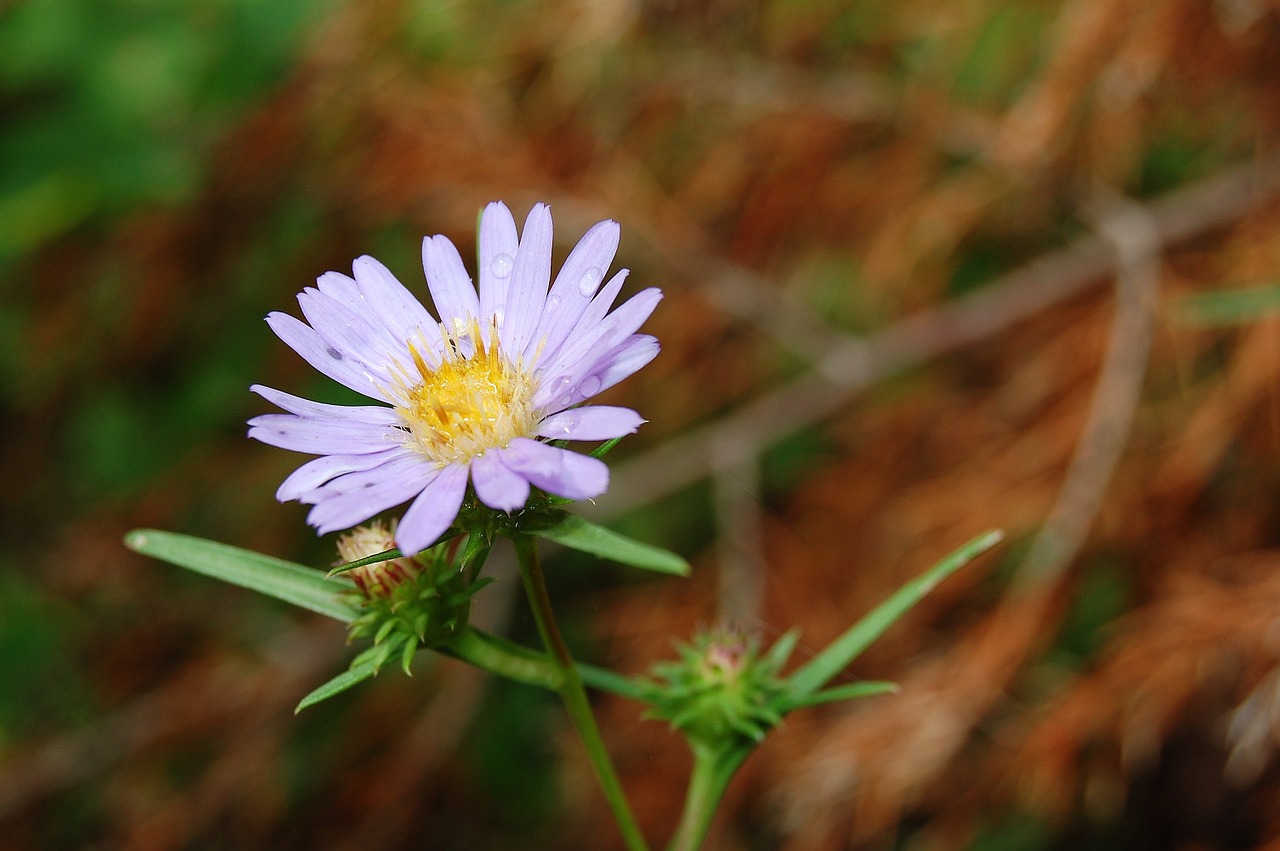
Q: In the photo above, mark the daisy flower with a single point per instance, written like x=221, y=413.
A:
x=474, y=396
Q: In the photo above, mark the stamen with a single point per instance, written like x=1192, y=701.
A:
x=468, y=403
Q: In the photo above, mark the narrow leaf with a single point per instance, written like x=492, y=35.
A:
x=603, y=449
x=582, y=535
x=839, y=653
x=338, y=685
x=849, y=691
x=376, y=558
x=780, y=652
x=1228, y=307
x=293, y=583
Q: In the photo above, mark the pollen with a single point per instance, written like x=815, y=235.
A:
x=472, y=400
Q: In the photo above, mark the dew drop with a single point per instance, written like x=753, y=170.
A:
x=590, y=386
x=570, y=422
x=502, y=265
x=589, y=281
x=552, y=304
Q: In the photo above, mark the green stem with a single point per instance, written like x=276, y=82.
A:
x=572, y=693
x=713, y=768
x=505, y=658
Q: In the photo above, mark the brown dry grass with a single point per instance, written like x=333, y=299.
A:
x=787, y=195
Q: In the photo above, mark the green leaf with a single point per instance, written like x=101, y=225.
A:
x=780, y=652
x=582, y=535
x=293, y=583
x=603, y=449
x=839, y=653
x=338, y=685
x=376, y=558
x=1228, y=307
x=849, y=691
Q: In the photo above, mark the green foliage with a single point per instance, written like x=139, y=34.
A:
x=114, y=103
x=302, y=586
x=510, y=749
x=721, y=687
x=38, y=679
x=1236, y=306
x=572, y=531
x=428, y=610
x=841, y=652
x=1103, y=594
x=349, y=678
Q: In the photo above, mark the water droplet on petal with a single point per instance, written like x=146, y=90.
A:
x=570, y=422
x=590, y=386
x=589, y=281
x=552, y=304
x=502, y=265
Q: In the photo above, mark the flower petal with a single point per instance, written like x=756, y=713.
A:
x=600, y=305
x=338, y=286
x=351, y=333
x=583, y=355
x=355, y=497
x=392, y=303
x=498, y=244
x=450, y=285
x=372, y=414
x=496, y=485
x=326, y=358
x=625, y=360
x=433, y=510
x=323, y=437
x=600, y=368
x=595, y=422
x=529, y=280
x=576, y=284
x=301, y=482
x=557, y=471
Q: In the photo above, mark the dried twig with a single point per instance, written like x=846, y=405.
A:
x=853, y=364
x=952, y=695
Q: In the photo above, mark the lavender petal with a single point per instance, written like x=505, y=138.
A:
x=355, y=497
x=498, y=245
x=327, y=359
x=557, y=471
x=372, y=414
x=529, y=280
x=579, y=279
x=301, y=483
x=451, y=287
x=496, y=485
x=434, y=509
x=323, y=437
x=392, y=303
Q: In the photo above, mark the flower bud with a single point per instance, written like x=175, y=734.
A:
x=720, y=687
x=380, y=579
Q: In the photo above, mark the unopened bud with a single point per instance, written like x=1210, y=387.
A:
x=380, y=579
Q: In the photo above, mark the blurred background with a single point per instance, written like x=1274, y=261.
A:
x=931, y=268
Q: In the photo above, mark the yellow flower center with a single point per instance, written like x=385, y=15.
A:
x=457, y=409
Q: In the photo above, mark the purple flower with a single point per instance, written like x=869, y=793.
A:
x=475, y=395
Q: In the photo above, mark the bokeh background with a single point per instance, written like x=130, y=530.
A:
x=931, y=268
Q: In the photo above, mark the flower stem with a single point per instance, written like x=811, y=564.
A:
x=573, y=694
x=713, y=768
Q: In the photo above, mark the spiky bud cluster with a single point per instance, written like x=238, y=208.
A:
x=721, y=686
x=405, y=603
